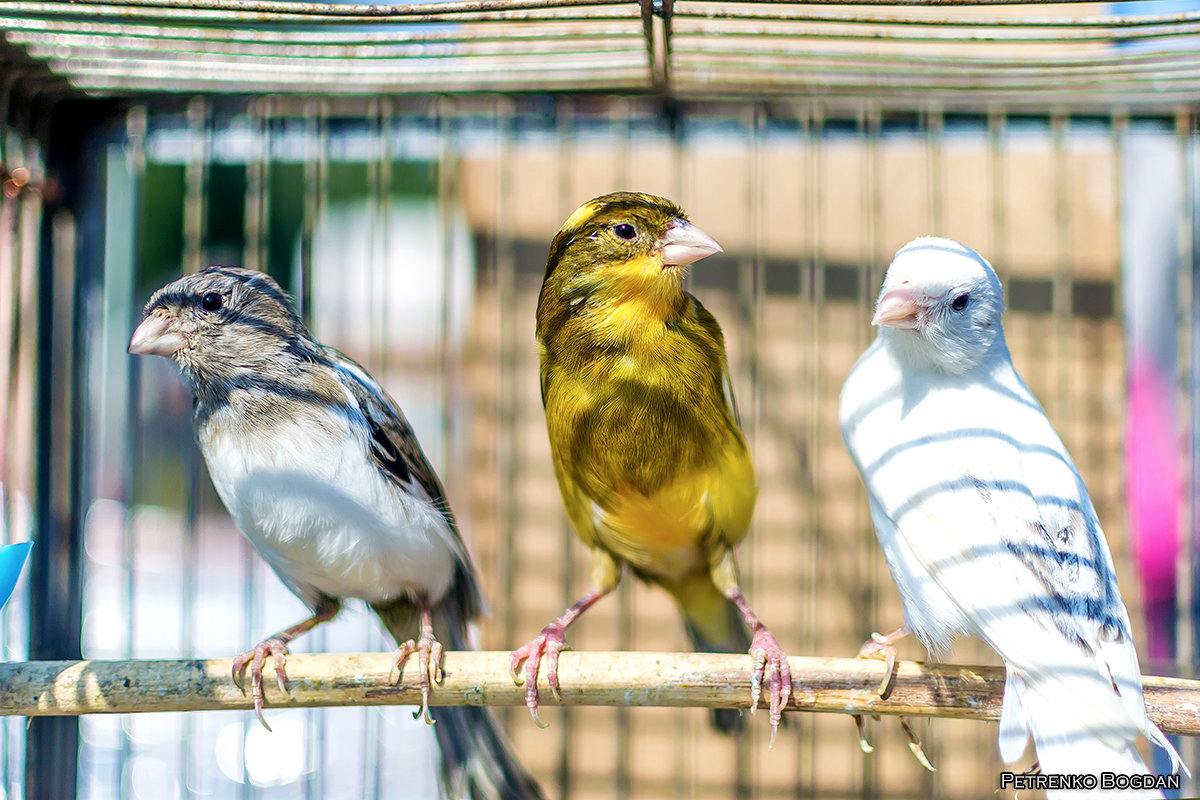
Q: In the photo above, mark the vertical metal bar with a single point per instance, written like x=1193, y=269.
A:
x=757, y=418
x=622, y=132
x=1188, y=357
x=1061, y=351
x=195, y=182
x=136, y=131
x=56, y=568
x=871, y=277
x=378, y=192
x=565, y=121
x=255, y=201
x=10, y=346
x=316, y=183
x=999, y=213
x=508, y=453
x=1184, y=124
x=445, y=353
x=251, y=601
x=196, y=179
x=1193, y=206
x=934, y=142
x=378, y=189
x=747, y=374
x=813, y=284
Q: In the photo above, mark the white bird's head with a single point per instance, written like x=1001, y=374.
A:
x=941, y=305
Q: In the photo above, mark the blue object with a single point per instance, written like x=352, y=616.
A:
x=12, y=561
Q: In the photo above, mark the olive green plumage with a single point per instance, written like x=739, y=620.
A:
x=652, y=465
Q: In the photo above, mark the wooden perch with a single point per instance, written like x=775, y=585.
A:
x=845, y=685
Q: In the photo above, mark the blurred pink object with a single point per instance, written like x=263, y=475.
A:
x=1154, y=492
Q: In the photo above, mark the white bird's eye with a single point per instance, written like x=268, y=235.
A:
x=960, y=302
x=625, y=231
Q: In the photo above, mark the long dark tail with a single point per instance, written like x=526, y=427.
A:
x=477, y=761
x=714, y=625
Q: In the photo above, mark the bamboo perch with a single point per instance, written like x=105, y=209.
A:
x=845, y=685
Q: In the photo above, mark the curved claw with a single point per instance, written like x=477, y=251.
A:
x=881, y=647
x=533, y=712
x=770, y=664
x=860, y=722
x=429, y=658
x=550, y=642
x=914, y=744
x=515, y=660
x=256, y=659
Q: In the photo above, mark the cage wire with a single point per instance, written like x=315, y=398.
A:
x=146, y=138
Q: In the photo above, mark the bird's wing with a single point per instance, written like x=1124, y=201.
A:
x=395, y=450
x=982, y=492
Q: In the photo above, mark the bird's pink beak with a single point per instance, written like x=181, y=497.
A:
x=151, y=338
x=684, y=243
x=898, y=308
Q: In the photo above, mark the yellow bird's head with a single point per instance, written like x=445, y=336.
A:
x=621, y=258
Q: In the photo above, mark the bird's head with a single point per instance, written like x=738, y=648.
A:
x=219, y=324
x=621, y=247
x=941, y=304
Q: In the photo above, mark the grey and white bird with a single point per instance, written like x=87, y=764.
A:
x=323, y=474
x=985, y=522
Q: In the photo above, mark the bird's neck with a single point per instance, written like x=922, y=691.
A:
x=630, y=307
x=919, y=355
x=265, y=386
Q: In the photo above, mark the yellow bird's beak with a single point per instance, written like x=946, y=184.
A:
x=684, y=243
x=151, y=338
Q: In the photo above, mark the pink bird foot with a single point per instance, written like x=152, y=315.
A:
x=550, y=642
x=883, y=647
x=771, y=666
x=429, y=655
x=274, y=648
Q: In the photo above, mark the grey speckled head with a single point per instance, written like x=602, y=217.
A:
x=222, y=326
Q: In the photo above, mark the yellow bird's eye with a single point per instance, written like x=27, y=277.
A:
x=625, y=231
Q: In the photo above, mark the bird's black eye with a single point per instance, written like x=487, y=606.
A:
x=625, y=231
x=211, y=301
x=960, y=302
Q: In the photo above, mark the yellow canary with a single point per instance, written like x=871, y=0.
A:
x=652, y=465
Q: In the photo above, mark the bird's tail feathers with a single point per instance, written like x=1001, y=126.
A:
x=714, y=625
x=477, y=761
x=1070, y=739
x=1158, y=738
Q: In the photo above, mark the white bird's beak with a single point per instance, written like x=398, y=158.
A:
x=898, y=308
x=684, y=243
x=151, y=338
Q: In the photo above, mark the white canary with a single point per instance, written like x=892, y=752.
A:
x=985, y=522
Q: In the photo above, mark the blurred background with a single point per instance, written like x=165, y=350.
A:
x=401, y=171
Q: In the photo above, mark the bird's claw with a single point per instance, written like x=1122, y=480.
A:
x=914, y=744
x=256, y=659
x=770, y=666
x=881, y=648
x=429, y=654
x=550, y=642
x=860, y=722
